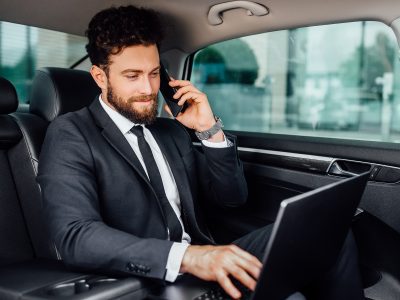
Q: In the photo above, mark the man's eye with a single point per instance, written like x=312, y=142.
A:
x=155, y=74
x=131, y=77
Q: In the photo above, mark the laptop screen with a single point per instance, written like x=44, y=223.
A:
x=307, y=236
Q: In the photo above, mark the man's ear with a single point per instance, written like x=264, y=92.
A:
x=99, y=76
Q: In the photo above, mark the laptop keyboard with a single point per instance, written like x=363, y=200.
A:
x=219, y=294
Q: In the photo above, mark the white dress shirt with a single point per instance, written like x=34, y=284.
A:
x=124, y=125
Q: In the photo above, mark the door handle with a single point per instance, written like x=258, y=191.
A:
x=348, y=168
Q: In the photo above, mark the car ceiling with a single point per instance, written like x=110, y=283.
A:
x=186, y=23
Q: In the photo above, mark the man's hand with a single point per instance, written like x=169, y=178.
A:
x=216, y=263
x=198, y=114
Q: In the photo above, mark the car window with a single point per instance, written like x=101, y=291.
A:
x=23, y=49
x=340, y=80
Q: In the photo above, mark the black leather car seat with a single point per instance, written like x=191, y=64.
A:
x=54, y=91
x=23, y=233
x=15, y=242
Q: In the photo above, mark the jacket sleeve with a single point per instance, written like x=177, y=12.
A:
x=222, y=175
x=67, y=177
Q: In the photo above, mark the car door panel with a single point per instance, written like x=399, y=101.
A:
x=277, y=167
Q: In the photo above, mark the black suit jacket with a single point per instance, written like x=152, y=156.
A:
x=100, y=207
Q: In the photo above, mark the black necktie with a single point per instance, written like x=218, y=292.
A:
x=174, y=226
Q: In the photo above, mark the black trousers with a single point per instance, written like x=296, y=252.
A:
x=342, y=281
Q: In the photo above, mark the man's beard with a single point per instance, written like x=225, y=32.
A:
x=146, y=116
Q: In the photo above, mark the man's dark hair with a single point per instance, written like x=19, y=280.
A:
x=113, y=29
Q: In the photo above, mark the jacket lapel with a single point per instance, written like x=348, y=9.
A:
x=116, y=139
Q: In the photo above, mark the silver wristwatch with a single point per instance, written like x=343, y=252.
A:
x=206, y=134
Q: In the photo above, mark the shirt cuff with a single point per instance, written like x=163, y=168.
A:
x=224, y=144
x=175, y=260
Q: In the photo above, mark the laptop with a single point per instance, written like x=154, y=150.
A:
x=305, y=242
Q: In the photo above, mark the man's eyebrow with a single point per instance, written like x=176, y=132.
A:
x=138, y=71
x=131, y=71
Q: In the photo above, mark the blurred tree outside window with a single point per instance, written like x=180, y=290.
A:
x=339, y=80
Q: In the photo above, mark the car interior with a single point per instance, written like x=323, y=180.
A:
x=218, y=45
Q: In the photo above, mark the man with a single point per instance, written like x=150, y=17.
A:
x=121, y=189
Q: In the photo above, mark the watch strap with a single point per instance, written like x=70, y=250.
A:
x=206, y=134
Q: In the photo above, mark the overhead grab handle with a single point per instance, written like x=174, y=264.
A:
x=253, y=9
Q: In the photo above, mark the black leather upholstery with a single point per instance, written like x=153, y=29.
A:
x=8, y=97
x=22, y=230
x=56, y=91
x=15, y=244
x=33, y=130
x=24, y=169
x=9, y=132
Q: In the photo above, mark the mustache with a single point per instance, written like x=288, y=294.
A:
x=142, y=98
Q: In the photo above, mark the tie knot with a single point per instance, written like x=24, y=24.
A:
x=138, y=131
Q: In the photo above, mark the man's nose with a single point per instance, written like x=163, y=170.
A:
x=146, y=88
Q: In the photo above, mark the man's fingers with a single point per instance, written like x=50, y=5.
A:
x=243, y=266
x=240, y=274
x=246, y=255
x=188, y=88
x=189, y=95
x=248, y=268
x=179, y=83
x=247, y=262
x=227, y=285
x=220, y=262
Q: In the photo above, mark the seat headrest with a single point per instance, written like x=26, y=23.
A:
x=56, y=91
x=8, y=97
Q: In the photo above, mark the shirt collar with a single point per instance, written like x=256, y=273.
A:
x=123, y=124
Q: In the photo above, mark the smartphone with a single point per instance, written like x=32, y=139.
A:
x=168, y=93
